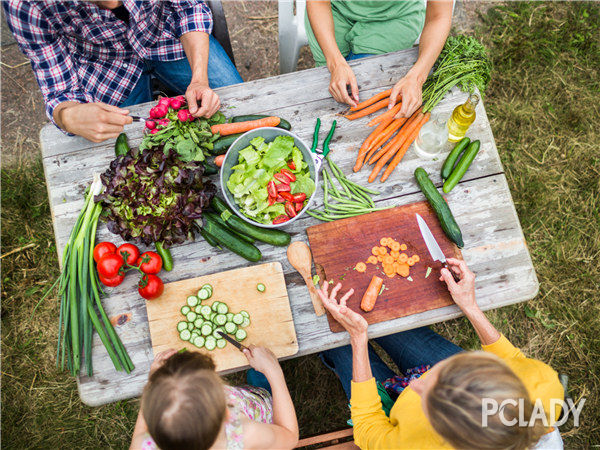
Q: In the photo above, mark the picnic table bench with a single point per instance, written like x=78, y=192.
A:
x=482, y=204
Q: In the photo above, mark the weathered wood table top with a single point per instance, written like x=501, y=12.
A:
x=482, y=204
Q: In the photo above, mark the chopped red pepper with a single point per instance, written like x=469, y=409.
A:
x=288, y=174
x=299, y=198
x=290, y=209
x=280, y=219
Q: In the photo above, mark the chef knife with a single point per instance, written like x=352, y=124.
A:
x=232, y=341
x=137, y=118
x=434, y=249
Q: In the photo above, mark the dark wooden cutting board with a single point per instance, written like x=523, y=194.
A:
x=337, y=247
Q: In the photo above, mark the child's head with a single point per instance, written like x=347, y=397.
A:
x=184, y=402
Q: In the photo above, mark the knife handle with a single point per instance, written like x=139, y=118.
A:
x=456, y=279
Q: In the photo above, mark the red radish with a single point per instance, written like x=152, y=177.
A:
x=283, y=188
x=153, y=131
x=150, y=124
x=291, y=164
x=219, y=160
x=163, y=122
x=290, y=209
x=280, y=219
x=287, y=196
x=289, y=174
x=175, y=103
x=153, y=113
x=183, y=115
x=299, y=198
x=164, y=101
x=281, y=178
x=299, y=207
x=272, y=189
x=161, y=111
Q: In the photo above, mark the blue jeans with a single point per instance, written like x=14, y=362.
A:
x=407, y=349
x=352, y=56
x=176, y=75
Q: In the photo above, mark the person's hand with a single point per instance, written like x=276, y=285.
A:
x=354, y=323
x=202, y=100
x=410, y=90
x=160, y=359
x=94, y=121
x=263, y=360
x=463, y=292
x=341, y=77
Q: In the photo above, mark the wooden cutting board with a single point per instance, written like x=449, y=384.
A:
x=337, y=247
x=271, y=323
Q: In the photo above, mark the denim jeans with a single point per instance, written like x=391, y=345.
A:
x=408, y=349
x=352, y=56
x=176, y=75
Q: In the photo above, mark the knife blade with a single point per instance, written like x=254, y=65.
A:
x=137, y=118
x=232, y=341
x=434, y=249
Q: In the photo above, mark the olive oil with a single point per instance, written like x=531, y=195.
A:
x=461, y=119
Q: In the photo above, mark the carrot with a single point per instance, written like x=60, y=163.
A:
x=390, y=144
x=402, y=258
x=402, y=151
x=395, y=254
x=372, y=259
x=386, y=115
x=391, y=275
x=219, y=160
x=382, y=251
x=388, y=132
x=395, y=246
x=383, y=241
x=225, y=129
x=372, y=100
x=389, y=259
x=370, y=297
x=375, y=251
x=360, y=267
x=368, y=110
x=398, y=142
x=416, y=258
x=366, y=145
x=403, y=247
x=403, y=270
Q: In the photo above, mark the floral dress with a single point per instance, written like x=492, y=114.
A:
x=248, y=402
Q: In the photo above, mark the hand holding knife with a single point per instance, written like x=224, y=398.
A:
x=434, y=249
x=232, y=341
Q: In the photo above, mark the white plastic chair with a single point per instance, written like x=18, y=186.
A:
x=292, y=35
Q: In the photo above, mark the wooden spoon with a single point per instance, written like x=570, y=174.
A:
x=299, y=256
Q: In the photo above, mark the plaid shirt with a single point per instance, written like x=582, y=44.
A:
x=80, y=52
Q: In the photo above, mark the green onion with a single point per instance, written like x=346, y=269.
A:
x=78, y=293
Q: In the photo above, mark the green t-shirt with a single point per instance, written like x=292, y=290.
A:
x=372, y=26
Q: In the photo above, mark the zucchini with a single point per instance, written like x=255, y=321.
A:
x=231, y=241
x=221, y=145
x=440, y=207
x=462, y=166
x=248, y=239
x=273, y=237
x=210, y=168
x=208, y=238
x=165, y=255
x=453, y=157
x=282, y=124
x=121, y=145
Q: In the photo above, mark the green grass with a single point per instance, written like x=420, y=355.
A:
x=542, y=103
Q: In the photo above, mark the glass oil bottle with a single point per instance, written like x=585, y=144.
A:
x=461, y=119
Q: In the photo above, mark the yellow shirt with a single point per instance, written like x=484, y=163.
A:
x=407, y=426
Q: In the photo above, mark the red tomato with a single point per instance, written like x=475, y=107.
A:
x=280, y=199
x=150, y=287
x=287, y=196
x=272, y=189
x=288, y=174
x=280, y=219
x=271, y=200
x=290, y=209
x=299, y=207
x=112, y=282
x=299, y=198
x=291, y=164
x=151, y=262
x=129, y=252
x=283, y=188
x=102, y=249
x=109, y=265
x=281, y=178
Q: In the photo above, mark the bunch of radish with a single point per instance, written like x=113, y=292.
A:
x=158, y=115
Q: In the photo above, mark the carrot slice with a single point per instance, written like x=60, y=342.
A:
x=403, y=270
x=416, y=258
x=388, y=259
x=388, y=268
x=410, y=262
x=382, y=251
x=403, y=257
x=371, y=100
x=395, y=246
x=386, y=115
x=368, y=110
x=360, y=267
x=372, y=259
x=370, y=296
x=383, y=241
x=391, y=275
x=375, y=251
x=395, y=254
x=403, y=247
x=380, y=258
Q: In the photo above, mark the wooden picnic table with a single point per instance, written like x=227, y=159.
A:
x=482, y=204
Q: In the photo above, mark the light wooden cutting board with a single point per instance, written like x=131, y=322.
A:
x=271, y=323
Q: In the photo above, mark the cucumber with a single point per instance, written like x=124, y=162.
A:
x=185, y=309
x=208, y=238
x=206, y=311
x=206, y=329
x=192, y=301
x=182, y=326
x=221, y=145
x=207, y=287
x=220, y=221
x=190, y=326
x=245, y=323
x=453, y=157
x=440, y=207
x=462, y=166
x=204, y=294
x=240, y=335
x=198, y=323
x=215, y=305
x=210, y=168
x=245, y=314
x=273, y=237
x=229, y=317
x=222, y=308
x=282, y=124
x=230, y=328
x=231, y=241
x=221, y=343
x=238, y=319
x=217, y=332
x=191, y=316
x=220, y=319
x=199, y=341
x=185, y=335
x=261, y=287
x=210, y=343
x=165, y=255
x=121, y=145
x=198, y=309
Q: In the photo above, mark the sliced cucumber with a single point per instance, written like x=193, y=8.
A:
x=210, y=343
x=217, y=332
x=182, y=326
x=191, y=316
x=220, y=319
x=206, y=329
x=229, y=317
x=185, y=335
x=221, y=343
x=212, y=316
x=199, y=341
x=208, y=287
x=185, y=309
x=206, y=311
x=230, y=328
x=204, y=294
x=192, y=301
x=190, y=326
x=240, y=335
x=198, y=309
x=245, y=314
x=245, y=323
x=198, y=322
x=261, y=287
x=238, y=319
x=222, y=308
x=215, y=305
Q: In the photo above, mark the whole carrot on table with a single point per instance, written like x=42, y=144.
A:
x=225, y=129
x=372, y=100
x=370, y=297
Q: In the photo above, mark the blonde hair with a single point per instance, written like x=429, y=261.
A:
x=454, y=403
x=184, y=403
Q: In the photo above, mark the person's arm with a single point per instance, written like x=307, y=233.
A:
x=321, y=22
x=68, y=105
x=284, y=431
x=438, y=19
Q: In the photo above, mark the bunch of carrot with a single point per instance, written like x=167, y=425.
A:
x=391, y=138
